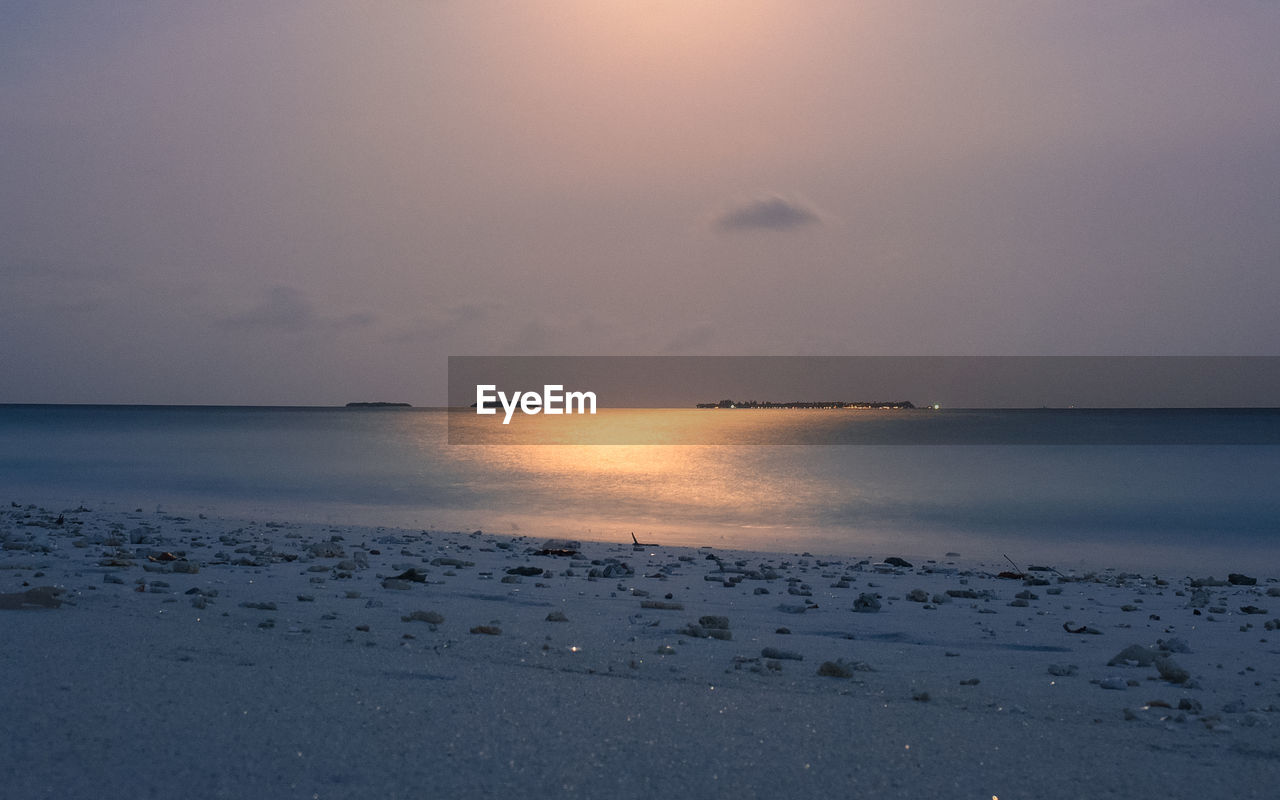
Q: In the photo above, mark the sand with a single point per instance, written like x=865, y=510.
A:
x=216, y=657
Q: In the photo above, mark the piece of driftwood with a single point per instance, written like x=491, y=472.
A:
x=1018, y=574
x=560, y=547
x=411, y=574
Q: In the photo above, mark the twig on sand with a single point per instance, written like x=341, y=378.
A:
x=1016, y=575
x=636, y=544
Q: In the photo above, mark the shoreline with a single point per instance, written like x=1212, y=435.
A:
x=357, y=661
x=1179, y=555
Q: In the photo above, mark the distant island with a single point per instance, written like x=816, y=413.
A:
x=895, y=404
x=379, y=405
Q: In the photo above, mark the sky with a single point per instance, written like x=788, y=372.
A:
x=317, y=202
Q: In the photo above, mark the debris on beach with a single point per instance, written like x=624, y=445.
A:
x=835, y=669
x=1170, y=671
x=429, y=617
x=526, y=572
x=635, y=616
x=39, y=597
x=781, y=655
x=866, y=603
x=564, y=548
x=709, y=626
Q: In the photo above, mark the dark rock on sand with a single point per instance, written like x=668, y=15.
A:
x=661, y=605
x=617, y=569
x=709, y=627
x=326, y=550
x=1135, y=654
x=1170, y=671
x=429, y=617
x=411, y=574
x=835, y=669
x=39, y=597
x=866, y=603
x=781, y=655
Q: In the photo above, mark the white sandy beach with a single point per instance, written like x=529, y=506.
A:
x=210, y=657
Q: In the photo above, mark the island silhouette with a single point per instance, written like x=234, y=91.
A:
x=861, y=404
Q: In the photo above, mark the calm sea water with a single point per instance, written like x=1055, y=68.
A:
x=1129, y=505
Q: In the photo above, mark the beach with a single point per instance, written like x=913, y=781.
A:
x=149, y=653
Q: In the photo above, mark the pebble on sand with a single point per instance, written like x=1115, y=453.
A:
x=429, y=617
x=781, y=655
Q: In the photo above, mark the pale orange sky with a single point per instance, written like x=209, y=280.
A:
x=309, y=202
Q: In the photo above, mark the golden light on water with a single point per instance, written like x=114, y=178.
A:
x=610, y=490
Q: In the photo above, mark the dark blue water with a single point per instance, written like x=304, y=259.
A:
x=1133, y=503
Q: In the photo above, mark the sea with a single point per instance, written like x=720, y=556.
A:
x=1136, y=490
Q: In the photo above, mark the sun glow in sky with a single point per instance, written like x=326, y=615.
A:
x=305, y=202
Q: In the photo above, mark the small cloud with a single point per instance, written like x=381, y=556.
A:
x=691, y=339
x=460, y=320
x=581, y=332
x=52, y=272
x=772, y=212
x=285, y=308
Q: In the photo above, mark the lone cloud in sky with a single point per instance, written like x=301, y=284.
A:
x=767, y=212
x=286, y=308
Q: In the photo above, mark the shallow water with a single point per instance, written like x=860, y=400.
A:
x=1129, y=504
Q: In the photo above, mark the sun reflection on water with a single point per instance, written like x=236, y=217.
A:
x=644, y=486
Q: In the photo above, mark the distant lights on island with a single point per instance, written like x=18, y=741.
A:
x=897, y=405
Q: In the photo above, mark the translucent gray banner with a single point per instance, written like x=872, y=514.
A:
x=917, y=400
